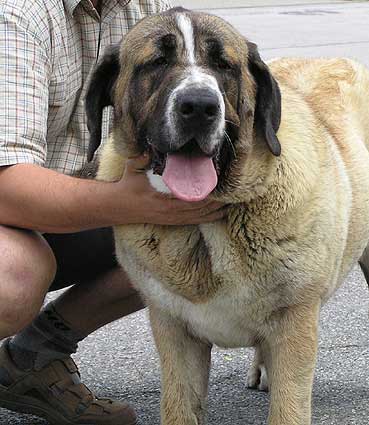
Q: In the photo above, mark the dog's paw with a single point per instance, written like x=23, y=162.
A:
x=257, y=378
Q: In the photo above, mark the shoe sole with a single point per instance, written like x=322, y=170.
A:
x=30, y=406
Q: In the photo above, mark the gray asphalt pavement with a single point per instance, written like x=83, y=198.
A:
x=120, y=360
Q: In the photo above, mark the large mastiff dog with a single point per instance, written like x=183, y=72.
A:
x=286, y=146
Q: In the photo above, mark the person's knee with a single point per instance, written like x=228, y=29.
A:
x=27, y=268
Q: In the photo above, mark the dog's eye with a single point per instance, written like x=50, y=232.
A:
x=224, y=65
x=162, y=61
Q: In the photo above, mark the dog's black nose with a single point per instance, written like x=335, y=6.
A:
x=198, y=107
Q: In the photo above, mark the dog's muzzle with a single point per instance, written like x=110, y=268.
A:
x=195, y=125
x=197, y=112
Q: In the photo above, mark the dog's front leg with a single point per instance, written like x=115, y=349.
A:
x=185, y=364
x=290, y=354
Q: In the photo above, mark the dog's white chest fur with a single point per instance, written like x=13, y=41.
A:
x=218, y=321
x=226, y=319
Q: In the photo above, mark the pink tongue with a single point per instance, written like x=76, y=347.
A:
x=190, y=178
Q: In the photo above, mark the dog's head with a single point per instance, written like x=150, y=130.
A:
x=192, y=92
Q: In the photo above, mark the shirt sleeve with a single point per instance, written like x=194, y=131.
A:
x=24, y=76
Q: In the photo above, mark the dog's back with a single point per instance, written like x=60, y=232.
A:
x=321, y=81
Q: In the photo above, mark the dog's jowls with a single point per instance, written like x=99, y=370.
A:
x=285, y=146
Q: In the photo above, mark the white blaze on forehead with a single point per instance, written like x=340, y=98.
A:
x=185, y=26
x=194, y=76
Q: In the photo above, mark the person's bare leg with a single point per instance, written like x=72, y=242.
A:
x=101, y=294
x=91, y=305
x=41, y=351
x=27, y=268
x=79, y=311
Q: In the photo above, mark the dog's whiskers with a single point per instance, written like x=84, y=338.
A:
x=230, y=142
x=233, y=123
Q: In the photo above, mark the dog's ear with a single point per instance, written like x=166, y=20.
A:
x=268, y=100
x=100, y=94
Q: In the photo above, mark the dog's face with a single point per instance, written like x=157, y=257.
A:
x=188, y=89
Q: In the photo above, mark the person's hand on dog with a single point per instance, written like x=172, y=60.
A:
x=146, y=205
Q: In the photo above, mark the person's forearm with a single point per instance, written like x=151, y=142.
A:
x=36, y=198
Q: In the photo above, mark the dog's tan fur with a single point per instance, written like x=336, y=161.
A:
x=296, y=226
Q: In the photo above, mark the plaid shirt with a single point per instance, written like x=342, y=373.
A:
x=47, y=50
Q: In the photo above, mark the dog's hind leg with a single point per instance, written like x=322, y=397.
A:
x=290, y=357
x=364, y=263
x=257, y=377
x=185, y=365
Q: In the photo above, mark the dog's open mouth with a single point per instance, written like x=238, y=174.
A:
x=189, y=173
